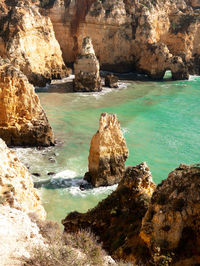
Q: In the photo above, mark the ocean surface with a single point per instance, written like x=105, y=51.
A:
x=160, y=122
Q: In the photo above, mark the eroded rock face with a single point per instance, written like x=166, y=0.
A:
x=19, y=235
x=86, y=69
x=125, y=33
x=117, y=219
x=27, y=38
x=108, y=153
x=16, y=185
x=111, y=81
x=22, y=120
x=171, y=225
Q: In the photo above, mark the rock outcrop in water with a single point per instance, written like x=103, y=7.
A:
x=27, y=38
x=147, y=36
x=111, y=81
x=108, y=153
x=22, y=120
x=171, y=225
x=148, y=225
x=16, y=185
x=86, y=69
x=117, y=219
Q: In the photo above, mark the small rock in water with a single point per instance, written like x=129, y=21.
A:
x=111, y=81
x=51, y=173
x=52, y=160
x=85, y=185
x=36, y=174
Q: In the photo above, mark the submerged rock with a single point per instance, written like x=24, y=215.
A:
x=23, y=122
x=111, y=81
x=117, y=219
x=170, y=227
x=16, y=185
x=108, y=153
x=86, y=69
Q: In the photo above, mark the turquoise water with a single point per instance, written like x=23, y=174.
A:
x=161, y=125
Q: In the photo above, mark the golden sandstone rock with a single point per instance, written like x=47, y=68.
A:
x=86, y=69
x=16, y=185
x=22, y=120
x=147, y=36
x=117, y=219
x=170, y=227
x=28, y=40
x=108, y=153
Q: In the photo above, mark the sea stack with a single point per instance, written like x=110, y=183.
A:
x=108, y=153
x=23, y=122
x=86, y=69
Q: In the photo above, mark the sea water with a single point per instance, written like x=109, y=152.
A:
x=160, y=122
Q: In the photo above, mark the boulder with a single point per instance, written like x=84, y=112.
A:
x=108, y=153
x=86, y=69
x=170, y=227
x=16, y=185
x=117, y=219
x=23, y=122
x=111, y=81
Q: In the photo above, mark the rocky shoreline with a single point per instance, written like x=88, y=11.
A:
x=139, y=223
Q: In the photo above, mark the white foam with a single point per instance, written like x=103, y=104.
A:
x=76, y=191
x=66, y=174
x=193, y=78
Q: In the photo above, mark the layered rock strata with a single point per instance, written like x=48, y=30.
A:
x=147, y=36
x=86, y=69
x=171, y=225
x=117, y=219
x=108, y=153
x=16, y=185
x=22, y=120
x=27, y=38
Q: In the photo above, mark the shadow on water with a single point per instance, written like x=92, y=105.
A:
x=60, y=183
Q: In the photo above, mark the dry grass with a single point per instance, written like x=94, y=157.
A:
x=65, y=249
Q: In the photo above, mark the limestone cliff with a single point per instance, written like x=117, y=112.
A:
x=148, y=36
x=117, y=219
x=171, y=225
x=22, y=120
x=27, y=38
x=16, y=185
x=108, y=153
x=86, y=69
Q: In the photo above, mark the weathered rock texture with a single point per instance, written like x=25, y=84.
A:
x=147, y=36
x=19, y=235
x=171, y=225
x=117, y=219
x=86, y=69
x=27, y=38
x=22, y=120
x=111, y=81
x=16, y=185
x=108, y=153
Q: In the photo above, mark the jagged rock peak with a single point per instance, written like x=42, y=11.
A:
x=171, y=225
x=16, y=185
x=23, y=121
x=108, y=153
x=87, y=47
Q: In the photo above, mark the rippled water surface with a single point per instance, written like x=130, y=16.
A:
x=160, y=121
